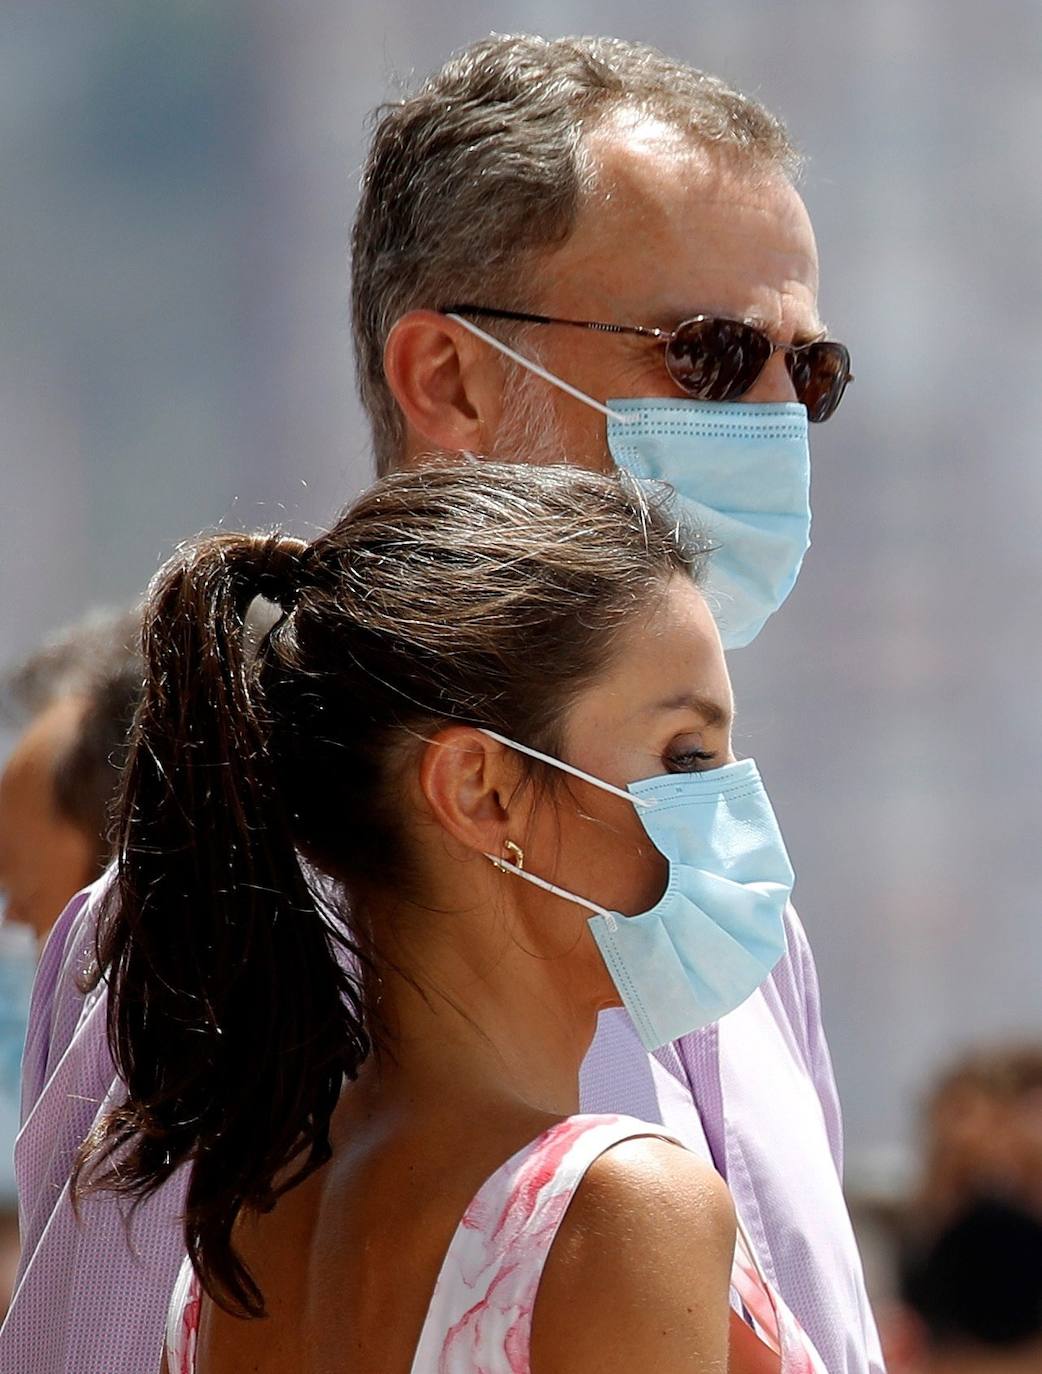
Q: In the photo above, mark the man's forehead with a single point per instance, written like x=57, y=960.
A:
x=629, y=133
x=671, y=230
x=633, y=144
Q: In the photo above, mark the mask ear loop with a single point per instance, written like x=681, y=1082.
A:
x=506, y=867
x=623, y=419
x=568, y=768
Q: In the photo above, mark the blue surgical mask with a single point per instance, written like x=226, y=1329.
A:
x=718, y=930
x=742, y=475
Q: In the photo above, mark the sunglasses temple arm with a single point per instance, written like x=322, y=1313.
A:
x=542, y=372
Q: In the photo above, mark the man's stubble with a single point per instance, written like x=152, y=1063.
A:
x=529, y=431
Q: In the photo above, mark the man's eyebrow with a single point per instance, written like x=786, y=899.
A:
x=801, y=336
x=712, y=712
x=668, y=320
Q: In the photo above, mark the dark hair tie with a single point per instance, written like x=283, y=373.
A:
x=285, y=568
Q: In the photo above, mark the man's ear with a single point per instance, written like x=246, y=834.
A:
x=471, y=784
x=447, y=383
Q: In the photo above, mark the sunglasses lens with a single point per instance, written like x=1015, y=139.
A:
x=819, y=377
x=716, y=360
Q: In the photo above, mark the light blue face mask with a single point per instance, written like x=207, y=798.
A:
x=718, y=929
x=742, y=474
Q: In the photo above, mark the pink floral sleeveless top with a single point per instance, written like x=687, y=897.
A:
x=480, y=1316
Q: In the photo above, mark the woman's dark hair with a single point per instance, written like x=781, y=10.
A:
x=472, y=592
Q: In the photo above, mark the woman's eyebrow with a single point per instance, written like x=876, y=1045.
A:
x=712, y=712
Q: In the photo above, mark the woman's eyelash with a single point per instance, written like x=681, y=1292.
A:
x=692, y=755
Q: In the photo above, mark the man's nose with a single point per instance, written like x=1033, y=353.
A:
x=773, y=383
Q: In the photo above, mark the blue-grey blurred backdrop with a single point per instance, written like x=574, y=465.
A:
x=177, y=184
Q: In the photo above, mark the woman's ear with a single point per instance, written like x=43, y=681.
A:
x=447, y=383
x=471, y=783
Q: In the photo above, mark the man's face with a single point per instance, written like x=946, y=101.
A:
x=669, y=232
x=44, y=858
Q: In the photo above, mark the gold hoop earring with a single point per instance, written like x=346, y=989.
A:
x=516, y=853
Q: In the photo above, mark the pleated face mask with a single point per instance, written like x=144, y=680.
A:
x=718, y=930
x=742, y=474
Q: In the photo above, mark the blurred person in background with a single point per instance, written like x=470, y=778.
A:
x=72, y=701
x=971, y=1258
x=75, y=699
x=576, y=248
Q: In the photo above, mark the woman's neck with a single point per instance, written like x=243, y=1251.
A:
x=487, y=1019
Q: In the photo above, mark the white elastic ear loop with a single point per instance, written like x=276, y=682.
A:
x=568, y=768
x=505, y=867
x=542, y=372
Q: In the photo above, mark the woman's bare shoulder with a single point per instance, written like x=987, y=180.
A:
x=640, y=1270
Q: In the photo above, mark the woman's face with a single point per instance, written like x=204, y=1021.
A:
x=663, y=705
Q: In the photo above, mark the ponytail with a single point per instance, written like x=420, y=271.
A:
x=234, y=1013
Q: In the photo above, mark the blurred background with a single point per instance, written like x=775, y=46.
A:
x=178, y=181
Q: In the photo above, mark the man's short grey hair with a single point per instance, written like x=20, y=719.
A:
x=482, y=169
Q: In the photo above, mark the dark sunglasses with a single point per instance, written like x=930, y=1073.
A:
x=714, y=359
